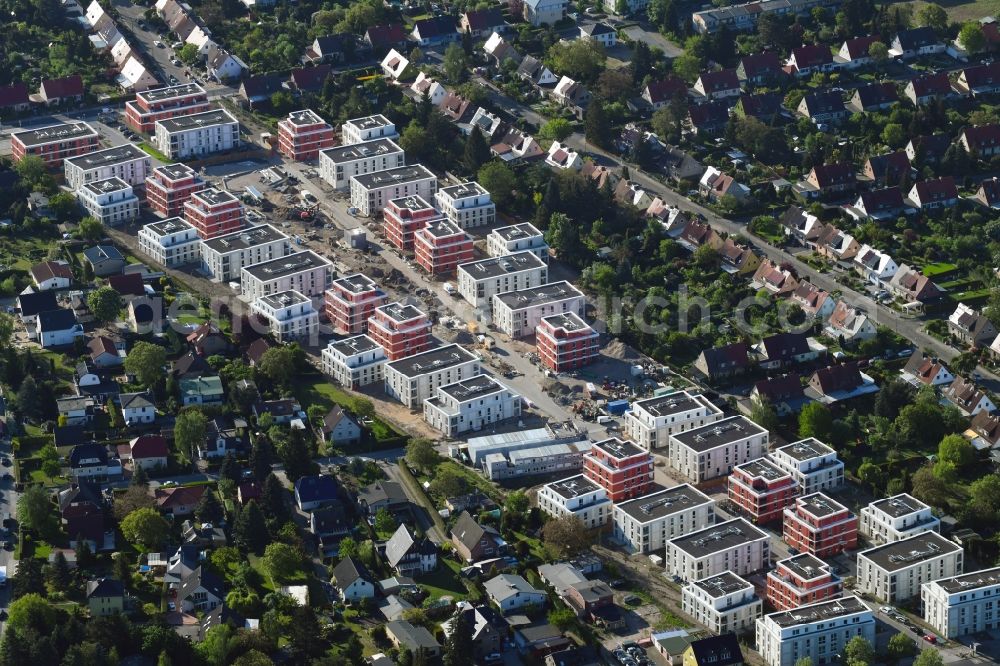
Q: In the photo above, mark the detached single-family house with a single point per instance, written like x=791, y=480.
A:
x=312, y=492
x=916, y=42
x=105, y=596
x=979, y=80
x=409, y=556
x=823, y=107
x=808, y=59
x=815, y=302
x=982, y=141
x=380, y=495
x=888, y=169
x=384, y=37
x=499, y=50
x=149, y=452
x=988, y=193
x=738, y=259
x=775, y=279
x=836, y=383
x=91, y=462
x=137, y=408
x=874, y=265
x=340, y=428
x=912, y=286
x=353, y=581
x=482, y=22
x=969, y=398
x=881, y=204
x=761, y=69
x=51, y=275
x=53, y=92
x=331, y=48
x=921, y=370
x=928, y=88
x=14, y=98
x=708, y=117
x=718, y=84
x=75, y=410
x=836, y=245
x=472, y=541
x=179, y=501
x=856, y=52
x=414, y=638
x=786, y=393
x=510, y=592
x=849, y=324
x=58, y=328
x=535, y=72
x=435, y=31
x=29, y=305
x=201, y=590
x=205, y=390
x=425, y=85
x=599, y=32
x=874, y=97
x=783, y=349
x=828, y=180
x=105, y=260
x=103, y=352
x=715, y=184
x=719, y=363
x=661, y=92
x=488, y=629
x=971, y=327
x=563, y=157
x=394, y=64
x=934, y=193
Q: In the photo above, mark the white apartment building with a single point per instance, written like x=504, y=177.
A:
x=650, y=422
x=478, y=281
x=289, y=315
x=223, y=258
x=711, y=451
x=467, y=205
x=576, y=496
x=126, y=162
x=413, y=379
x=305, y=272
x=338, y=165
x=359, y=130
x=197, y=135
x=171, y=242
x=894, y=572
x=111, y=201
x=470, y=404
x=354, y=362
x=813, y=465
x=518, y=313
x=818, y=632
x=523, y=237
x=894, y=518
x=370, y=192
x=725, y=603
x=962, y=605
x=734, y=545
x=645, y=524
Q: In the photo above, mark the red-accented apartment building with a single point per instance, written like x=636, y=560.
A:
x=213, y=212
x=819, y=525
x=441, y=246
x=623, y=469
x=351, y=301
x=403, y=217
x=170, y=185
x=565, y=342
x=401, y=329
x=761, y=490
x=150, y=106
x=801, y=580
x=55, y=143
x=303, y=134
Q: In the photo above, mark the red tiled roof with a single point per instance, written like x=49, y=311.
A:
x=68, y=86
x=931, y=84
x=167, y=498
x=665, y=89
x=50, y=269
x=149, y=446
x=858, y=47
x=811, y=55
x=129, y=284
x=13, y=95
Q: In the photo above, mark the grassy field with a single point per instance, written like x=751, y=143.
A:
x=964, y=11
x=938, y=269
x=444, y=582
x=318, y=390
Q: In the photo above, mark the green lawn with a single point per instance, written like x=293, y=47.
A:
x=318, y=390
x=446, y=581
x=938, y=269
x=472, y=479
x=145, y=147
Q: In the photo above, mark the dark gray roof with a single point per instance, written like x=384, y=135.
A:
x=56, y=320
x=40, y=301
x=906, y=553
x=204, y=578
x=347, y=571
x=316, y=488
x=717, y=538
x=383, y=491
x=105, y=587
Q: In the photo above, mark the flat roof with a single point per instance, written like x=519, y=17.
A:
x=389, y=177
x=819, y=612
x=171, y=225
x=53, y=133
x=472, y=388
x=574, y=486
x=357, y=283
x=806, y=565
x=413, y=203
x=282, y=266
x=762, y=468
x=432, y=360
x=463, y=190
x=305, y=117
x=722, y=584
x=672, y=403
x=358, y=151
x=719, y=433
x=619, y=449
x=195, y=120
x=114, y=184
x=717, y=538
x=820, y=505
x=971, y=581
x=284, y=299
x=400, y=311
x=806, y=449
x=175, y=171
x=664, y=503
x=443, y=228
x=899, y=505
x=101, y=158
x=547, y=293
x=568, y=321
x=215, y=197
x=245, y=238
x=908, y=552
x=169, y=92
x=369, y=122
x=358, y=344
x=492, y=267
x=517, y=231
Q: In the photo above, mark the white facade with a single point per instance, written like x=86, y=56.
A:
x=371, y=192
x=172, y=242
x=963, y=605
x=289, y=314
x=518, y=313
x=734, y=545
x=358, y=130
x=894, y=572
x=305, y=272
x=478, y=281
x=110, y=201
x=467, y=205
x=650, y=422
x=713, y=450
x=470, y=404
x=516, y=238
x=126, y=162
x=896, y=518
x=197, y=135
x=645, y=524
x=354, y=362
x=413, y=379
x=813, y=465
x=819, y=632
x=224, y=257
x=724, y=603
x=576, y=496
x=338, y=165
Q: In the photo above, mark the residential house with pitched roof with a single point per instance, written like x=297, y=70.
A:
x=984, y=431
x=849, y=324
x=815, y=302
x=836, y=245
x=760, y=69
x=912, y=286
x=201, y=590
x=697, y=233
x=482, y=22
x=738, y=259
x=137, y=408
x=874, y=265
x=499, y=50
x=784, y=349
x=934, y=193
x=723, y=362
x=921, y=370
x=888, y=169
x=979, y=80
x=63, y=90
x=982, y=141
x=331, y=48
x=928, y=88
x=874, y=97
x=828, y=180
x=661, y=92
x=915, y=42
x=969, y=398
x=540, y=12
x=988, y=193
x=836, y=383
x=414, y=638
x=808, y=59
x=474, y=542
x=149, y=452
x=775, y=279
x=353, y=581
x=14, y=98
x=380, y=495
x=488, y=629
x=105, y=597
x=384, y=37
x=535, y=72
x=718, y=84
x=340, y=428
x=883, y=204
x=314, y=491
x=801, y=225
x=408, y=555
x=856, y=52
x=763, y=106
x=51, y=275
x=511, y=592
x=971, y=327
x=785, y=393
x=708, y=117
x=715, y=184
x=178, y=501
x=823, y=107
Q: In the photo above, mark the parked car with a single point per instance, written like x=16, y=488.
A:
x=930, y=638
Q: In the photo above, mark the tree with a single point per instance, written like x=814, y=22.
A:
x=274, y=499
x=929, y=657
x=59, y=573
x=687, y=67
x=499, y=181
x=90, y=228
x=348, y=547
x=416, y=56
x=281, y=561
x=261, y=459
x=596, y=125
x=517, y=503
x=31, y=613
x=879, y=53
x=250, y=530
x=105, y=303
x=562, y=618
x=253, y=658
x=190, y=431
x=448, y=483
x=420, y=453
x=566, y=536
x=296, y=456
x=477, y=151
x=455, y=65
x=459, y=649
x=6, y=330
x=816, y=421
x=933, y=16
x=578, y=59
x=146, y=362
x=927, y=487
x=384, y=522
x=35, y=511
x=29, y=578
x=958, y=451
x=556, y=129
x=33, y=171
x=63, y=205
x=859, y=652
x=278, y=364
x=188, y=54
x=900, y=646
x=209, y=510
x=971, y=37
x=145, y=528
x=134, y=497
x=894, y=135
x=763, y=414
x=29, y=400
x=984, y=498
